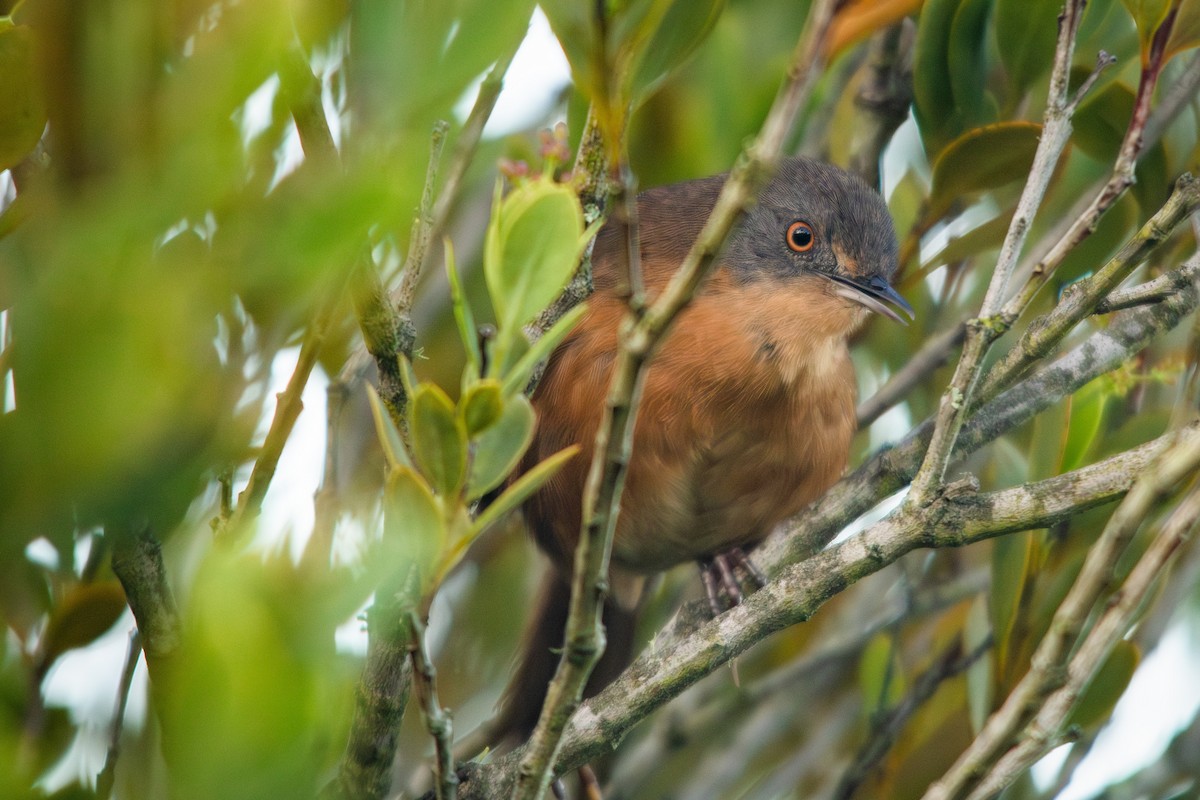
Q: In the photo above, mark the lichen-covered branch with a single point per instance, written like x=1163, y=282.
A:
x=1056, y=678
x=437, y=719
x=138, y=564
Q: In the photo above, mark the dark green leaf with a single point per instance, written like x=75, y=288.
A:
x=968, y=62
x=1011, y=559
x=934, y=99
x=1186, y=32
x=1106, y=687
x=686, y=24
x=86, y=612
x=983, y=158
x=1026, y=32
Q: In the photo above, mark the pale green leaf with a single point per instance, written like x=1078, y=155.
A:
x=1106, y=687
x=439, y=439
x=501, y=446
x=523, y=487
x=463, y=317
x=414, y=527
x=481, y=405
x=516, y=378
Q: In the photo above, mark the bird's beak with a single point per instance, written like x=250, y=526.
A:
x=873, y=293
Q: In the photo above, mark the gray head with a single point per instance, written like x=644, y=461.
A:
x=817, y=219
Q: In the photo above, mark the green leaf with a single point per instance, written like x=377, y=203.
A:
x=933, y=98
x=1027, y=33
x=990, y=235
x=1011, y=560
x=463, y=318
x=1100, y=125
x=413, y=524
x=533, y=246
x=524, y=486
x=879, y=680
x=1186, y=32
x=501, y=446
x=1106, y=687
x=1147, y=15
x=86, y=612
x=518, y=377
x=979, y=675
x=968, y=62
x=393, y=444
x=22, y=109
x=439, y=439
x=481, y=405
x=983, y=158
x=1087, y=412
x=687, y=23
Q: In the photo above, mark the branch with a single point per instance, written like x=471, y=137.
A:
x=931, y=357
x=1082, y=299
x=950, y=663
x=584, y=641
x=981, y=332
x=882, y=102
x=1029, y=722
x=107, y=776
x=318, y=549
x=138, y=564
x=437, y=719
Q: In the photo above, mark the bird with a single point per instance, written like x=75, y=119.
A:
x=747, y=408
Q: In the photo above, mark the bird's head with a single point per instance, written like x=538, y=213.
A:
x=820, y=225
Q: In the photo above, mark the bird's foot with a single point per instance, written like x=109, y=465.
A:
x=719, y=574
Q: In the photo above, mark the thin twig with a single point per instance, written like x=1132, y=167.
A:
x=990, y=324
x=1082, y=298
x=437, y=719
x=318, y=549
x=1048, y=671
x=422, y=227
x=932, y=356
x=1121, y=179
x=950, y=663
x=108, y=775
x=584, y=637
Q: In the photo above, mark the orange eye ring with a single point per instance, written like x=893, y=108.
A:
x=801, y=237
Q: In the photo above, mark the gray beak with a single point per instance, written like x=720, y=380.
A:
x=873, y=293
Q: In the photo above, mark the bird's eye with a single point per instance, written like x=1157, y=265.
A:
x=800, y=236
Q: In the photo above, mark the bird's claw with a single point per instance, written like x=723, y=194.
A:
x=719, y=576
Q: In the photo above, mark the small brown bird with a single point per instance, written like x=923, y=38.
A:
x=747, y=410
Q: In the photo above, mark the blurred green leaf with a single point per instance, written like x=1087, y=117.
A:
x=880, y=681
x=415, y=532
x=1100, y=125
x=979, y=675
x=1011, y=562
x=501, y=446
x=1087, y=413
x=412, y=60
x=988, y=236
x=24, y=594
x=1186, y=32
x=463, y=317
x=934, y=99
x=481, y=406
x=439, y=439
x=533, y=246
x=394, y=450
x=86, y=612
x=981, y=159
x=686, y=24
x=1106, y=687
x=1148, y=15
x=522, y=487
x=1026, y=32
x=967, y=58
x=22, y=110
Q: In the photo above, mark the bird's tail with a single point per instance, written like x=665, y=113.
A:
x=541, y=648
